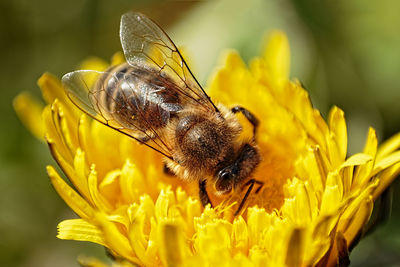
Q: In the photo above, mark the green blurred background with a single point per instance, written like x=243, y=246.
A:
x=347, y=53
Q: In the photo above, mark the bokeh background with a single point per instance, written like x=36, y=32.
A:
x=346, y=53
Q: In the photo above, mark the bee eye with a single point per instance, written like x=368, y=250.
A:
x=224, y=174
x=224, y=182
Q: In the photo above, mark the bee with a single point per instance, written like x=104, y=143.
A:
x=155, y=99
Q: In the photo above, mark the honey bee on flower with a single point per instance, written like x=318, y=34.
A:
x=316, y=199
x=155, y=99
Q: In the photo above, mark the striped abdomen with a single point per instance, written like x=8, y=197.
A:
x=137, y=98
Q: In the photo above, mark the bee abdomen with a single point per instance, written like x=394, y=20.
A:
x=137, y=97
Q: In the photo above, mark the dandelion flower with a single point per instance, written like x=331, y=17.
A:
x=315, y=202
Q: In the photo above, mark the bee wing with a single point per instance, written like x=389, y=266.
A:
x=85, y=88
x=145, y=43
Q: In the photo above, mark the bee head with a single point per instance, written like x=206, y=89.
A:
x=238, y=170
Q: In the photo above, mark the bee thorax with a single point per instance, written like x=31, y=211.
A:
x=203, y=143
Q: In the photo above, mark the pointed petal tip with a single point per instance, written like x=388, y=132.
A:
x=277, y=56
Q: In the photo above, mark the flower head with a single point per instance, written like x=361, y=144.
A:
x=314, y=204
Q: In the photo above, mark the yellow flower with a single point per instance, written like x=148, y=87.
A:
x=314, y=206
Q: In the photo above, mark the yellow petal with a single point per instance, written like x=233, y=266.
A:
x=223, y=85
x=80, y=230
x=363, y=172
x=318, y=240
x=322, y=162
x=165, y=200
x=29, y=111
x=337, y=125
x=105, y=143
x=192, y=209
x=77, y=175
x=334, y=179
x=72, y=198
x=154, y=240
x=386, y=162
x=233, y=61
x=386, y=177
x=306, y=166
x=354, y=217
x=117, y=59
x=79, y=182
x=358, y=220
x=52, y=89
x=109, y=186
x=68, y=128
x=137, y=238
x=51, y=133
x=329, y=202
x=371, y=144
x=84, y=137
x=60, y=129
x=301, y=205
x=143, y=231
x=277, y=57
x=131, y=181
x=347, y=169
x=98, y=199
x=388, y=146
x=257, y=220
x=240, y=235
x=356, y=159
x=93, y=63
x=115, y=240
x=319, y=130
x=204, y=243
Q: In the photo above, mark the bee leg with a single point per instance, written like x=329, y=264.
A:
x=249, y=116
x=167, y=170
x=203, y=194
x=251, y=183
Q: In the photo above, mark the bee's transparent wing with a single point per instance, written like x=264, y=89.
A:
x=79, y=87
x=145, y=43
x=87, y=91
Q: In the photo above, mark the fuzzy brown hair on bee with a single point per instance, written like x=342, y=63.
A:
x=155, y=99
